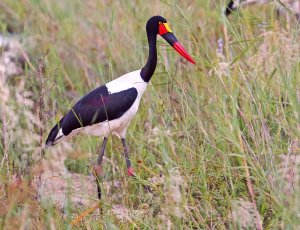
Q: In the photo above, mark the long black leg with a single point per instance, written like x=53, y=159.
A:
x=128, y=162
x=97, y=168
x=130, y=170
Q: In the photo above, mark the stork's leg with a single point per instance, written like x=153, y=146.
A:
x=97, y=167
x=128, y=162
x=130, y=170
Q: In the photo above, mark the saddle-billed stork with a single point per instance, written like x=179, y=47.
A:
x=109, y=108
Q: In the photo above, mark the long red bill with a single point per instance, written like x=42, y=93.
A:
x=180, y=49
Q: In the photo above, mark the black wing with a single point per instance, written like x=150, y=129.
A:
x=97, y=106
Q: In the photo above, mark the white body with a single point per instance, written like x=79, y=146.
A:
x=118, y=126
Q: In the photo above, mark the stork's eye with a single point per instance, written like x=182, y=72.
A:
x=160, y=23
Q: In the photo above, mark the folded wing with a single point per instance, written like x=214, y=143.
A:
x=98, y=106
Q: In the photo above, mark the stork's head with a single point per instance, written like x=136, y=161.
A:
x=159, y=25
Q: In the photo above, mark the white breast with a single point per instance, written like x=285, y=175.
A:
x=129, y=80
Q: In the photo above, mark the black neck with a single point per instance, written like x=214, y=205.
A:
x=148, y=70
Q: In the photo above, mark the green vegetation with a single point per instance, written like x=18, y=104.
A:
x=214, y=131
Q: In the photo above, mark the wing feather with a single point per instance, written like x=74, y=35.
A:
x=97, y=106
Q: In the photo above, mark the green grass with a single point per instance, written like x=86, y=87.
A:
x=202, y=127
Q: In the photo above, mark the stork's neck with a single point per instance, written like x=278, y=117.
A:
x=148, y=70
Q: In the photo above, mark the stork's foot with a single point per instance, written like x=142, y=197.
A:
x=131, y=174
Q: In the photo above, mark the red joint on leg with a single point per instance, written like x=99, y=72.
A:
x=130, y=171
x=97, y=169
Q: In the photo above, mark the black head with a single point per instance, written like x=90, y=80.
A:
x=158, y=25
x=153, y=24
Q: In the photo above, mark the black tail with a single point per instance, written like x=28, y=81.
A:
x=229, y=8
x=52, y=137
